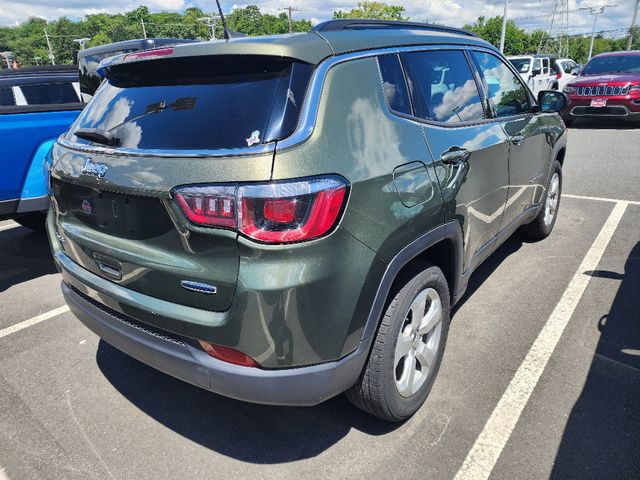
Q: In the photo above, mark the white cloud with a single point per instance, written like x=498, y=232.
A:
x=529, y=14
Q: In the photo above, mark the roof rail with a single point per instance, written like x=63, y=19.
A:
x=363, y=24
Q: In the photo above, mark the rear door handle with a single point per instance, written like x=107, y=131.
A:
x=518, y=139
x=455, y=156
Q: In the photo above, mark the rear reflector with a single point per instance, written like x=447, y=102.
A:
x=274, y=212
x=227, y=354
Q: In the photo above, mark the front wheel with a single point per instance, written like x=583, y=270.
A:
x=542, y=225
x=408, y=347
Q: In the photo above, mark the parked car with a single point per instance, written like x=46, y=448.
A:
x=90, y=58
x=540, y=72
x=607, y=87
x=37, y=104
x=282, y=219
x=566, y=70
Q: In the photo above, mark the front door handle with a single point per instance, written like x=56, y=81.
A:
x=455, y=156
x=518, y=139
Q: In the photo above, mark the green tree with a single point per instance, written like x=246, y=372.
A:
x=374, y=10
x=516, y=39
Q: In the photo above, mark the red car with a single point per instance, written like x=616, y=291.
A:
x=608, y=87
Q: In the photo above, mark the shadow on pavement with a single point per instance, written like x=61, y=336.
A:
x=247, y=432
x=24, y=255
x=602, y=436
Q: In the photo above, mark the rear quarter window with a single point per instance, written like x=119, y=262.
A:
x=198, y=103
x=394, y=84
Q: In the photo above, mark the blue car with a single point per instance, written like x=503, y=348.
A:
x=37, y=104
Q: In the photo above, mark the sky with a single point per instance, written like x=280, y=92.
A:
x=528, y=14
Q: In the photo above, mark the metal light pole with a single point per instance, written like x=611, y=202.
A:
x=633, y=24
x=211, y=23
x=595, y=12
x=504, y=26
x=51, y=55
x=81, y=41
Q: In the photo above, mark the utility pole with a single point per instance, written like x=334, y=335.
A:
x=289, y=10
x=595, y=11
x=144, y=29
x=51, y=56
x=633, y=24
x=504, y=26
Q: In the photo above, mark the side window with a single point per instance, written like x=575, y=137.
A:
x=6, y=97
x=507, y=94
x=545, y=66
x=442, y=86
x=537, y=64
x=49, y=93
x=393, y=83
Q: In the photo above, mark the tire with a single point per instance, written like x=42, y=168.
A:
x=567, y=121
x=542, y=225
x=378, y=390
x=35, y=221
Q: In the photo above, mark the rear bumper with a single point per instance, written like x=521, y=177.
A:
x=295, y=386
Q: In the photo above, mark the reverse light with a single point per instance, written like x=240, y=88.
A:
x=274, y=212
x=158, y=52
x=227, y=354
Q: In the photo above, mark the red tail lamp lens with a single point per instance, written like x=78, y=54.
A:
x=274, y=212
x=227, y=354
x=158, y=52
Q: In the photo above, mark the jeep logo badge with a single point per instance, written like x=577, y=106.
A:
x=97, y=169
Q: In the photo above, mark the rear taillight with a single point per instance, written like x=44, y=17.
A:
x=559, y=75
x=274, y=212
x=227, y=354
x=158, y=52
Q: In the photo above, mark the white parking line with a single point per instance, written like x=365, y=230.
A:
x=489, y=445
x=33, y=321
x=601, y=199
x=9, y=226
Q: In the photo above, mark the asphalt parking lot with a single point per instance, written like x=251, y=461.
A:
x=541, y=377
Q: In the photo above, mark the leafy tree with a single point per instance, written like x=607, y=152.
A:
x=490, y=29
x=375, y=10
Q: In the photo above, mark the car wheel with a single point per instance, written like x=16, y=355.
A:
x=567, y=121
x=34, y=221
x=408, y=347
x=542, y=225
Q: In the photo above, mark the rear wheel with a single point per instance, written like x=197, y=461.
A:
x=542, y=225
x=408, y=347
x=34, y=221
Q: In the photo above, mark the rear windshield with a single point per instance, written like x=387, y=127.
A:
x=198, y=103
x=521, y=64
x=49, y=93
x=613, y=64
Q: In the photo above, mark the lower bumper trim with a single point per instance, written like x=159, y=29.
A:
x=295, y=386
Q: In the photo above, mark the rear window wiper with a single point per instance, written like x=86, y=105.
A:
x=98, y=136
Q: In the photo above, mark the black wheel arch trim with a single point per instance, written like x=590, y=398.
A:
x=450, y=231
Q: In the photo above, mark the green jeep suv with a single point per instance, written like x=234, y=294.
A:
x=282, y=219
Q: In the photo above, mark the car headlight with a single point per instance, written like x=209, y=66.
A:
x=569, y=89
x=634, y=88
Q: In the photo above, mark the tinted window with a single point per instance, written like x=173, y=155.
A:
x=394, y=85
x=521, y=64
x=613, y=64
x=6, y=97
x=49, y=93
x=506, y=92
x=442, y=86
x=194, y=103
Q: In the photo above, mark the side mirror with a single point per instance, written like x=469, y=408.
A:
x=551, y=101
x=575, y=71
x=536, y=71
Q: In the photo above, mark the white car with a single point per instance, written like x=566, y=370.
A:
x=568, y=70
x=539, y=71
